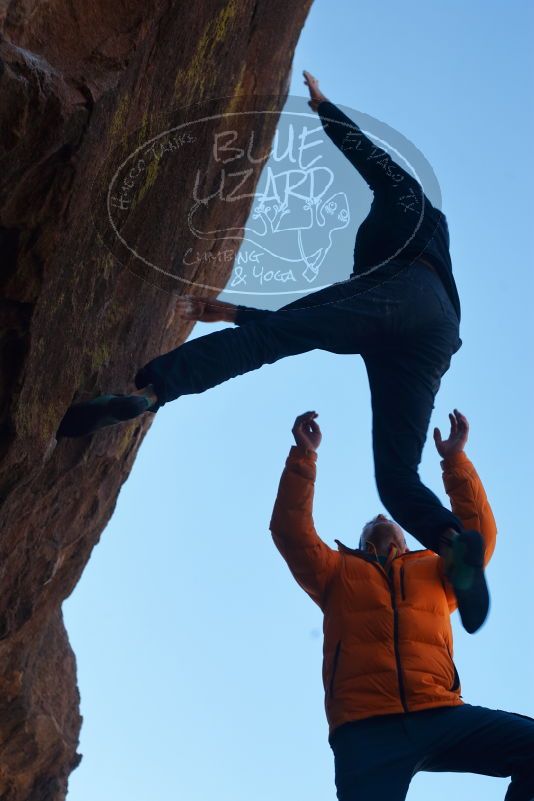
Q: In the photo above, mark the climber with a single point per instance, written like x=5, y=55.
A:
x=392, y=692
x=400, y=314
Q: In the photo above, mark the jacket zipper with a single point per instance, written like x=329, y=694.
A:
x=402, y=692
x=400, y=680
x=334, y=668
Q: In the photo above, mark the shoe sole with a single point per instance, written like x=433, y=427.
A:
x=472, y=592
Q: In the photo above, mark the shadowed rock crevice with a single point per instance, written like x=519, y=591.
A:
x=79, y=83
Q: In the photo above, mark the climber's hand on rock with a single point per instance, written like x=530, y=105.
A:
x=205, y=310
x=315, y=93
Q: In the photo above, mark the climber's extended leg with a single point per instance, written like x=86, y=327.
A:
x=317, y=321
x=206, y=361
x=347, y=317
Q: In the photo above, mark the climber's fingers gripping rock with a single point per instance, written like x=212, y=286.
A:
x=205, y=309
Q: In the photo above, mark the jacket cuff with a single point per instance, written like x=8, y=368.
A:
x=324, y=103
x=296, y=452
x=456, y=460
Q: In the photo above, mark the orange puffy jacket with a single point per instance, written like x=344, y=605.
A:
x=387, y=638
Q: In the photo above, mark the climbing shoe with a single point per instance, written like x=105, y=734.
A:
x=107, y=410
x=464, y=566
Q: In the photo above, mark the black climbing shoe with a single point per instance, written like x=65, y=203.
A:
x=464, y=564
x=106, y=410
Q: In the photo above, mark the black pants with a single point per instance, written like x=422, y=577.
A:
x=403, y=324
x=376, y=758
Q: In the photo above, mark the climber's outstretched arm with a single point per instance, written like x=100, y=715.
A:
x=373, y=163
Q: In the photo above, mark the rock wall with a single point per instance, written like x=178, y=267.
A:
x=79, y=82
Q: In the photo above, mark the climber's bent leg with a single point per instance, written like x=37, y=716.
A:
x=404, y=380
x=402, y=396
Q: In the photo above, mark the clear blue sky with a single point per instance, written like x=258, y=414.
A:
x=199, y=657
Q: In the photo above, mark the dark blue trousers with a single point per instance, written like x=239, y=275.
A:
x=375, y=759
x=399, y=319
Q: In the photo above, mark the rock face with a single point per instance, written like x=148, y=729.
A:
x=79, y=83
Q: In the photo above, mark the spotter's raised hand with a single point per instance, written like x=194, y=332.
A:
x=306, y=431
x=457, y=437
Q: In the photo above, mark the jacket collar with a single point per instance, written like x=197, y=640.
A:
x=368, y=558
